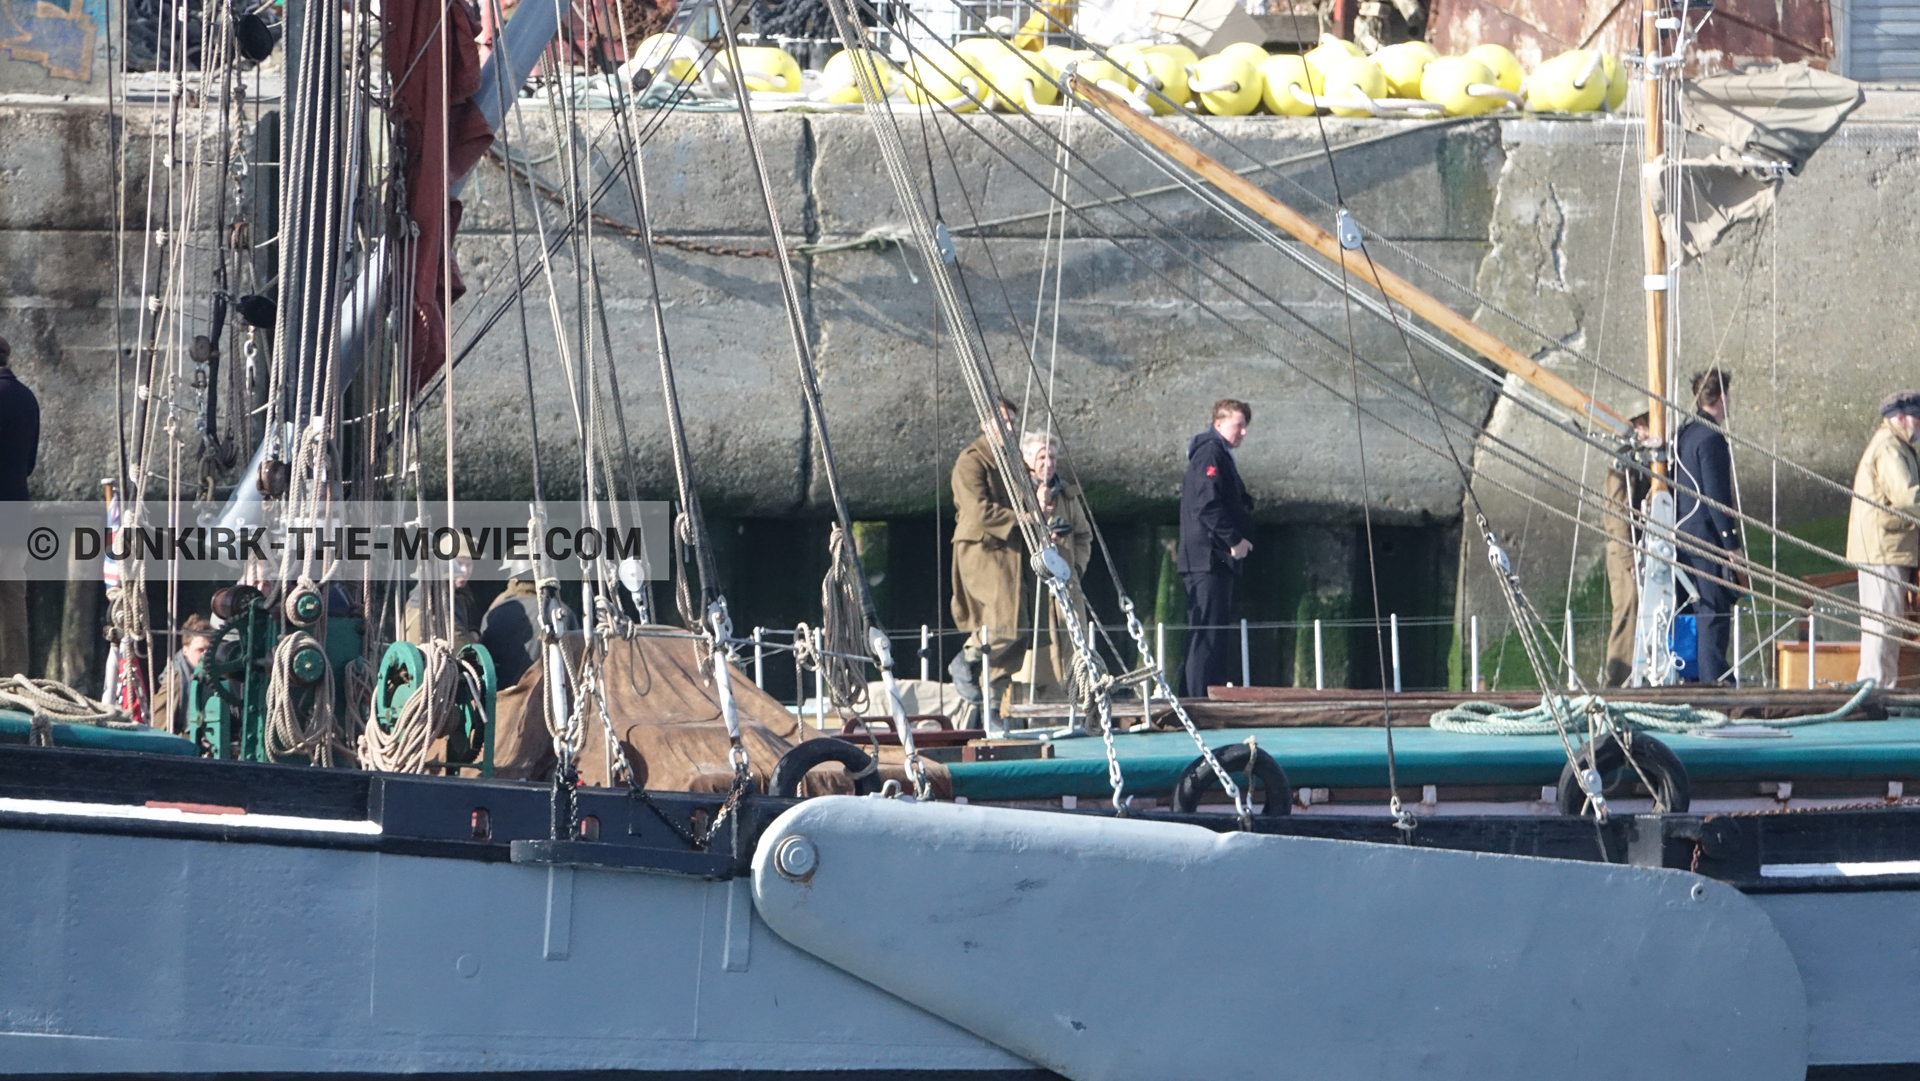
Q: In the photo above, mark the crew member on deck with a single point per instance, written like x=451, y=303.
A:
x=511, y=628
x=425, y=617
x=169, y=706
x=1885, y=547
x=1216, y=533
x=987, y=560
x=1703, y=464
x=1626, y=489
x=19, y=448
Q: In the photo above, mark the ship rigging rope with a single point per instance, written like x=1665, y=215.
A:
x=1493, y=719
x=878, y=645
x=981, y=384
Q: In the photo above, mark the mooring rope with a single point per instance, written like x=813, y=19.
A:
x=59, y=703
x=1493, y=719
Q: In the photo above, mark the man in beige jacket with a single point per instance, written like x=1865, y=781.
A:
x=1885, y=547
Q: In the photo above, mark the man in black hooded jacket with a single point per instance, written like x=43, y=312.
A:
x=1216, y=533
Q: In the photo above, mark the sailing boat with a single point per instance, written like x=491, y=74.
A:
x=386, y=923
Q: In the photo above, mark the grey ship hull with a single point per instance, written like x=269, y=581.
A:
x=386, y=939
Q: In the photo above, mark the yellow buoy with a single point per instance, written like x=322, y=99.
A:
x=1506, y=67
x=1616, y=81
x=1448, y=80
x=1329, y=50
x=1278, y=75
x=1163, y=72
x=658, y=55
x=934, y=78
x=1009, y=72
x=1095, y=70
x=842, y=78
x=1572, y=82
x=1227, y=85
x=766, y=69
x=1347, y=78
x=1059, y=56
x=1245, y=50
x=1402, y=64
x=1187, y=57
x=981, y=50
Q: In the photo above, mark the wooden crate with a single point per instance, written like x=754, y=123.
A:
x=1836, y=662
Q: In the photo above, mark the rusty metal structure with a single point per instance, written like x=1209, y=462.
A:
x=1740, y=31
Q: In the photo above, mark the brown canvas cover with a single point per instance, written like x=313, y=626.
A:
x=1761, y=115
x=665, y=714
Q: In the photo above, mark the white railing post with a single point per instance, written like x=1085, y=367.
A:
x=1393, y=631
x=1160, y=646
x=1319, y=660
x=1473, y=649
x=759, y=660
x=1813, y=635
x=1246, y=658
x=1573, y=673
x=924, y=640
x=1736, y=645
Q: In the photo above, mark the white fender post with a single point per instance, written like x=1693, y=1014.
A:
x=1246, y=658
x=923, y=653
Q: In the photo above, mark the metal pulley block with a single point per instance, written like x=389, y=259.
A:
x=304, y=607
x=308, y=666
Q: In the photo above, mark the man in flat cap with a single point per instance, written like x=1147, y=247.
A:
x=1885, y=546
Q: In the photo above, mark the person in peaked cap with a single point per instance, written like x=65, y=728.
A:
x=1883, y=545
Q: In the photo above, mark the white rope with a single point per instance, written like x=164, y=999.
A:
x=423, y=718
x=289, y=733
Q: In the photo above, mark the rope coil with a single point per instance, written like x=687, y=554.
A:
x=425, y=716
x=1492, y=719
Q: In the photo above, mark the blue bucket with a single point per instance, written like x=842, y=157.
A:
x=1685, y=643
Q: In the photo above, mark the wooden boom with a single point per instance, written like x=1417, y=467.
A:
x=1251, y=196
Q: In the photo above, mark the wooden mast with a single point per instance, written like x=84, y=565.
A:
x=1251, y=196
x=1656, y=281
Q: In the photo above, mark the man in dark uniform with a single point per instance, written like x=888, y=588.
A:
x=1702, y=463
x=19, y=450
x=1216, y=533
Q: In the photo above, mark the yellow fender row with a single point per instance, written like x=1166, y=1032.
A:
x=1408, y=79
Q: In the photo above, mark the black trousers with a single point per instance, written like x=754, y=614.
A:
x=1209, y=600
x=1711, y=616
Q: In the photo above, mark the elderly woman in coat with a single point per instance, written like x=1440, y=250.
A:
x=1045, y=677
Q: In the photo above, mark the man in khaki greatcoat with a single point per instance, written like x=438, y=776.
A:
x=987, y=562
x=1885, y=547
x=1625, y=490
